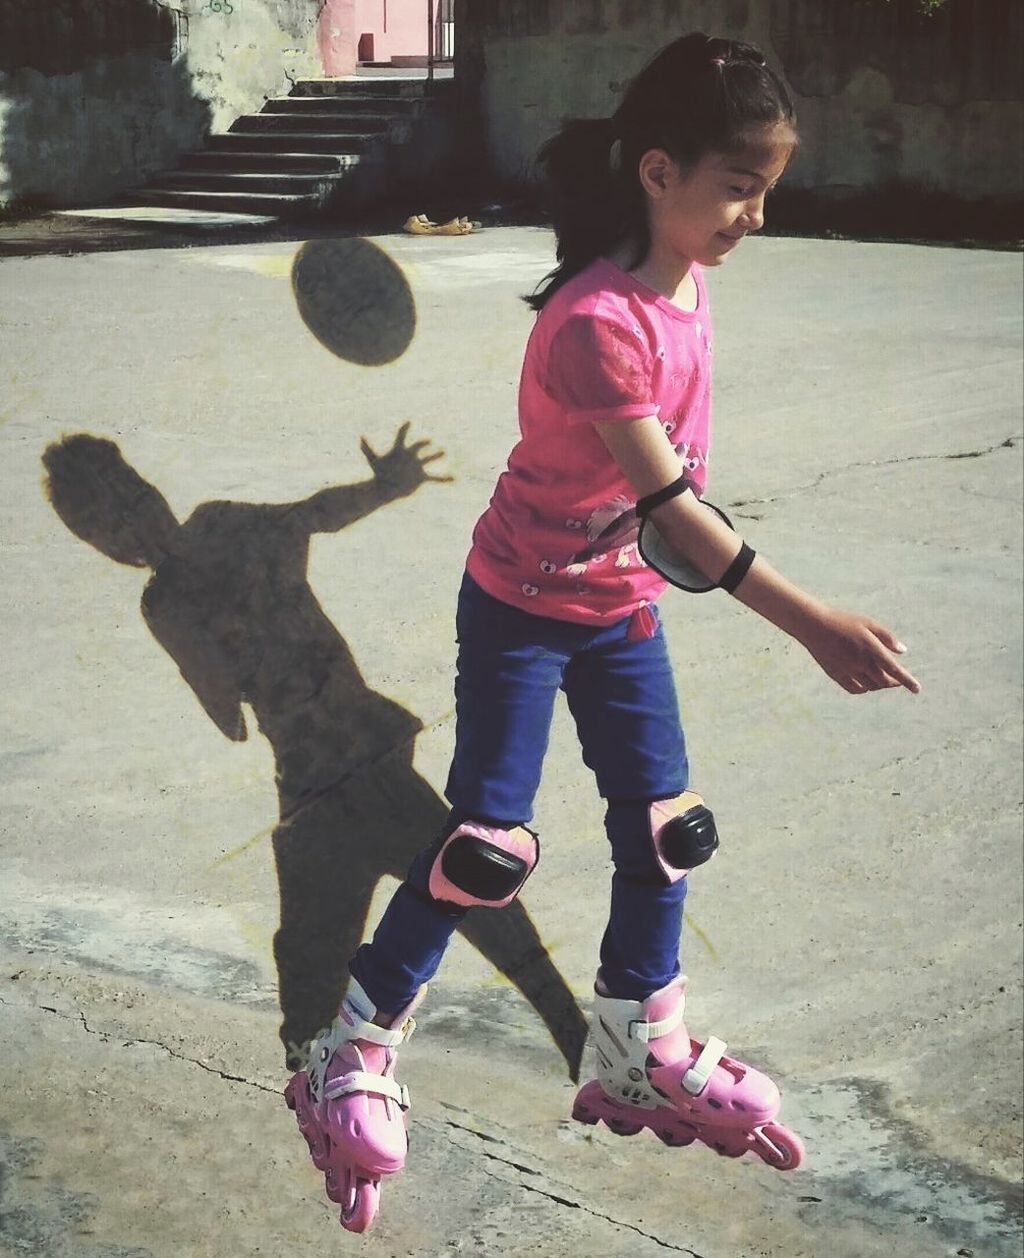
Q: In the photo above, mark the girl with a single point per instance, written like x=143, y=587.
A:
x=614, y=406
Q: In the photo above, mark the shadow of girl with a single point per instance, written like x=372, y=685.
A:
x=230, y=601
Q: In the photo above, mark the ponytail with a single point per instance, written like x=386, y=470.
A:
x=591, y=205
x=699, y=94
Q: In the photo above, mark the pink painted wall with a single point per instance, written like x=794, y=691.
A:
x=398, y=27
x=336, y=39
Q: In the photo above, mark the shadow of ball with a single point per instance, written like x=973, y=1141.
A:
x=355, y=300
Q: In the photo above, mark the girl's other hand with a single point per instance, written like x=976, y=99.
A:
x=857, y=652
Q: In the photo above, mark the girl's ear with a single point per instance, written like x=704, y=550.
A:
x=655, y=171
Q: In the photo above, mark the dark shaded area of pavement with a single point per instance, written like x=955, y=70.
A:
x=229, y=599
x=896, y=214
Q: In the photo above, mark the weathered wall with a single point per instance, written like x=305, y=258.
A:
x=336, y=36
x=96, y=94
x=883, y=94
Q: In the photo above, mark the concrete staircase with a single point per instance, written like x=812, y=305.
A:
x=327, y=141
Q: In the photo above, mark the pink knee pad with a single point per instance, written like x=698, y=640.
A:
x=683, y=834
x=483, y=866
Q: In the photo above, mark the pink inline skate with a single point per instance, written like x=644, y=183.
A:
x=349, y=1107
x=651, y=1074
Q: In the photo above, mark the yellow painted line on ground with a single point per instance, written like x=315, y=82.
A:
x=242, y=848
x=273, y=265
x=701, y=936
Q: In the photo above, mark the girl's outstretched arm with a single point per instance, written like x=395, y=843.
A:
x=857, y=652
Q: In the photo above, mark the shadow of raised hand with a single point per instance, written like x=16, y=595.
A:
x=229, y=599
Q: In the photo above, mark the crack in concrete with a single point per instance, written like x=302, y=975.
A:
x=1008, y=444
x=573, y=1204
x=192, y=1061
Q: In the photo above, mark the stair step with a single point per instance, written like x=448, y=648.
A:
x=365, y=128
x=290, y=142
x=135, y=211
x=294, y=156
x=246, y=181
x=357, y=106
x=243, y=203
x=360, y=87
x=271, y=163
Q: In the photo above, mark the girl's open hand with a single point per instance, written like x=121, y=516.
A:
x=857, y=652
x=403, y=469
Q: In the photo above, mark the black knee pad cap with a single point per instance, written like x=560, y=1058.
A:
x=690, y=839
x=481, y=869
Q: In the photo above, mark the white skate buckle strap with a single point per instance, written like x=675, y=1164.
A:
x=647, y=1031
x=696, y=1078
x=385, y=1037
x=362, y=1081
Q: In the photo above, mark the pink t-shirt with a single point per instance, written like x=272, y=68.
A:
x=559, y=536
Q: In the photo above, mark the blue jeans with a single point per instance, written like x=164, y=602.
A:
x=621, y=693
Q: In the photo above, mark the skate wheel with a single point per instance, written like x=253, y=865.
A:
x=317, y=1141
x=359, y=1199
x=319, y=1149
x=623, y=1128
x=779, y=1147
x=675, y=1139
x=582, y=1115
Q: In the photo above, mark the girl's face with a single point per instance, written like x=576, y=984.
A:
x=701, y=212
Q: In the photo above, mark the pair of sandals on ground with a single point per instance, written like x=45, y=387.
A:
x=420, y=225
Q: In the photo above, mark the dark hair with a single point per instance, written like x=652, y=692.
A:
x=698, y=95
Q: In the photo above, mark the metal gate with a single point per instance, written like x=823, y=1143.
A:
x=440, y=32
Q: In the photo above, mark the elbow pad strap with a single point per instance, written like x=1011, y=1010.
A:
x=738, y=569
x=647, y=504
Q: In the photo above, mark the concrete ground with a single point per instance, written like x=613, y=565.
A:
x=262, y=742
